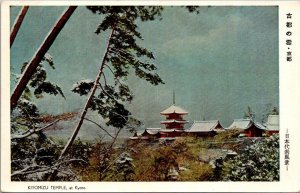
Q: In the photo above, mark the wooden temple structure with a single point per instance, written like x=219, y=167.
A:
x=174, y=123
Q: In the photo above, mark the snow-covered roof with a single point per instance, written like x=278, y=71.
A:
x=153, y=131
x=173, y=121
x=259, y=125
x=174, y=109
x=244, y=124
x=139, y=137
x=152, y=128
x=273, y=123
x=203, y=126
x=171, y=130
x=137, y=134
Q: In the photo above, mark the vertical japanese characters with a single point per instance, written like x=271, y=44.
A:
x=289, y=33
x=287, y=149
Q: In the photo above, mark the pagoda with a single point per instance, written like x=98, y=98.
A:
x=174, y=122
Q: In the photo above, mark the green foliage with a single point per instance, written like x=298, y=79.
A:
x=193, y=9
x=124, y=50
x=39, y=82
x=226, y=139
x=228, y=135
x=155, y=163
x=35, y=151
x=26, y=116
x=81, y=150
x=99, y=163
x=122, y=169
x=257, y=162
x=83, y=87
x=28, y=109
x=123, y=53
x=49, y=88
x=164, y=160
x=110, y=109
x=196, y=172
x=34, y=155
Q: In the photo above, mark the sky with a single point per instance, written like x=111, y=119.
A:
x=218, y=62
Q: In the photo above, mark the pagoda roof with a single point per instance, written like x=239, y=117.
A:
x=173, y=121
x=174, y=109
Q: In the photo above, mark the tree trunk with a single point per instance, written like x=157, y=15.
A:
x=88, y=102
x=34, y=62
x=18, y=24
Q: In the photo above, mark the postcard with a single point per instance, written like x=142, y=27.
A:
x=150, y=96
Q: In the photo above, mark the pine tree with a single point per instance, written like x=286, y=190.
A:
x=122, y=53
x=38, y=57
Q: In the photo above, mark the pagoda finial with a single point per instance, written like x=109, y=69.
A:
x=173, y=97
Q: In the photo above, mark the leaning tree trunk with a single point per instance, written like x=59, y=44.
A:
x=34, y=62
x=88, y=102
x=18, y=24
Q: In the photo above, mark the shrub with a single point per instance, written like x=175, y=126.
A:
x=257, y=162
x=196, y=172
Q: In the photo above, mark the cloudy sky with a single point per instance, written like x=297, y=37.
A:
x=218, y=62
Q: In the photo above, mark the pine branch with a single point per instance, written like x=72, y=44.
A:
x=103, y=90
x=117, y=79
x=37, y=58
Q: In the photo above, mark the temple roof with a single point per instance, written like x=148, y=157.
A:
x=204, y=126
x=174, y=109
x=244, y=124
x=152, y=131
x=173, y=121
x=171, y=130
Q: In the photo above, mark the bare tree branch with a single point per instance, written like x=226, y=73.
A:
x=104, y=77
x=30, y=170
x=38, y=168
x=99, y=127
x=113, y=74
x=115, y=138
x=33, y=131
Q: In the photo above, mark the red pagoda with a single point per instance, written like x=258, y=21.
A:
x=174, y=121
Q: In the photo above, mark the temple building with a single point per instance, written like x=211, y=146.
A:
x=205, y=128
x=272, y=125
x=250, y=128
x=174, y=122
x=174, y=125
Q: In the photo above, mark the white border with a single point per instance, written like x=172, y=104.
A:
x=289, y=74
